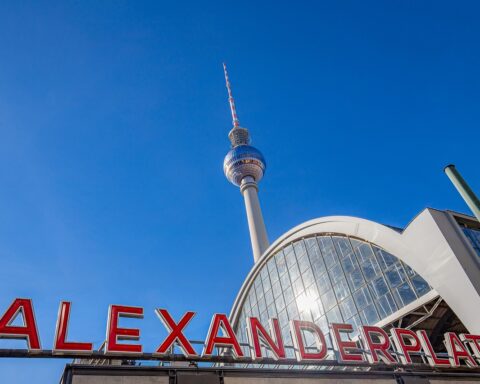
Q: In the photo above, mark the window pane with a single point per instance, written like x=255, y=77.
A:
x=288, y=295
x=298, y=287
x=343, y=246
x=363, y=250
x=277, y=290
x=304, y=264
x=290, y=256
x=281, y=265
x=362, y=298
x=328, y=251
x=285, y=281
x=328, y=300
x=404, y=293
x=294, y=272
x=311, y=242
x=341, y=289
x=386, y=305
x=336, y=273
x=379, y=287
x=369, y=315
x=300, y=249
x=318, y=265
x=355, y=279
x=370, y=268
x=307, y=277
x=323, y=283
x=395, y=275
x=280, y=303
x=334, y=316
x=348, y=308
x=349, y=263
x=420, y=285
x=385, y=259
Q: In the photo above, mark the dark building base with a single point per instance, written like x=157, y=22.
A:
x=87, y=374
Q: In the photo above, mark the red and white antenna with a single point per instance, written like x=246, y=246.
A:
x=231, y=101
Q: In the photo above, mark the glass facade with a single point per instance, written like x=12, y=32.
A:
x=329, y=279
x=473, y=235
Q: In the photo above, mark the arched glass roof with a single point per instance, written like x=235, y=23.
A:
x=329, y=279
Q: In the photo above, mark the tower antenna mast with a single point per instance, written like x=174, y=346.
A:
x=231, y=100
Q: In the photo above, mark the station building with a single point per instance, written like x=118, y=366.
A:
x=336, y=269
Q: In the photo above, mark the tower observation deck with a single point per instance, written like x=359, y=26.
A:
x=244, y=166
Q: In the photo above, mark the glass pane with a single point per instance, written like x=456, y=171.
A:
x=307, y=277
x=290, y=256
x=395, y=275
x=349, y=263
x=323, y=283
x=292, y=311
x=311, y=242
x=363, y=250
x=328, y=300
x=277, y=290
x=294, y=272
x=304, y=264
x=317, y=264
x=288, y=295
x=334, y=316
x=298, y=287
x=281, y=265
x=328, y=251
x=369, y=315
x=343, y=246
x=386, y=305
x=362, y=298
x=370, y=268
x=347, y=307
x=336, y=273
x=280, y=303
x=341, y=289
x=269, y=297
x=379, y=287
x=285, y=281
x=355, y=279
x=300, y=249
x=385, y=259
x=404, y=293
x=420, y=285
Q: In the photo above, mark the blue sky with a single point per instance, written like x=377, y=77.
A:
x=113, y=129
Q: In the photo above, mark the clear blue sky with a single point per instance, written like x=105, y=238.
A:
x=113, y=129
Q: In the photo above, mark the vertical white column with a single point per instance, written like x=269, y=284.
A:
x=256, y=226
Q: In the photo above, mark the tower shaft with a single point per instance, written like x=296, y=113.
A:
x=256, y=225
x=244, y=167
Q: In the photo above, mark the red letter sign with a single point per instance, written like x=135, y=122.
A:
x=115, y=333
x=399, y=337
x=458, y=351
x=474, y=342
x=430, y=354
x=229, y=339
x=256, y=332
x=60, y=344
x=176, y=333
x=343, y=347
x=26, y=332
x=377, y=349
x=297, y=327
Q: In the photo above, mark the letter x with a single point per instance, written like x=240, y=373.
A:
x=176, y=333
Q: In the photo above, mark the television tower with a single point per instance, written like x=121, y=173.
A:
x=244, y=166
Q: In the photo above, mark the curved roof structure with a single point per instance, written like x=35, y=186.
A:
x=428, y=245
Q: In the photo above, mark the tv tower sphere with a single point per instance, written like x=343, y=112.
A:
x=241, y=161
